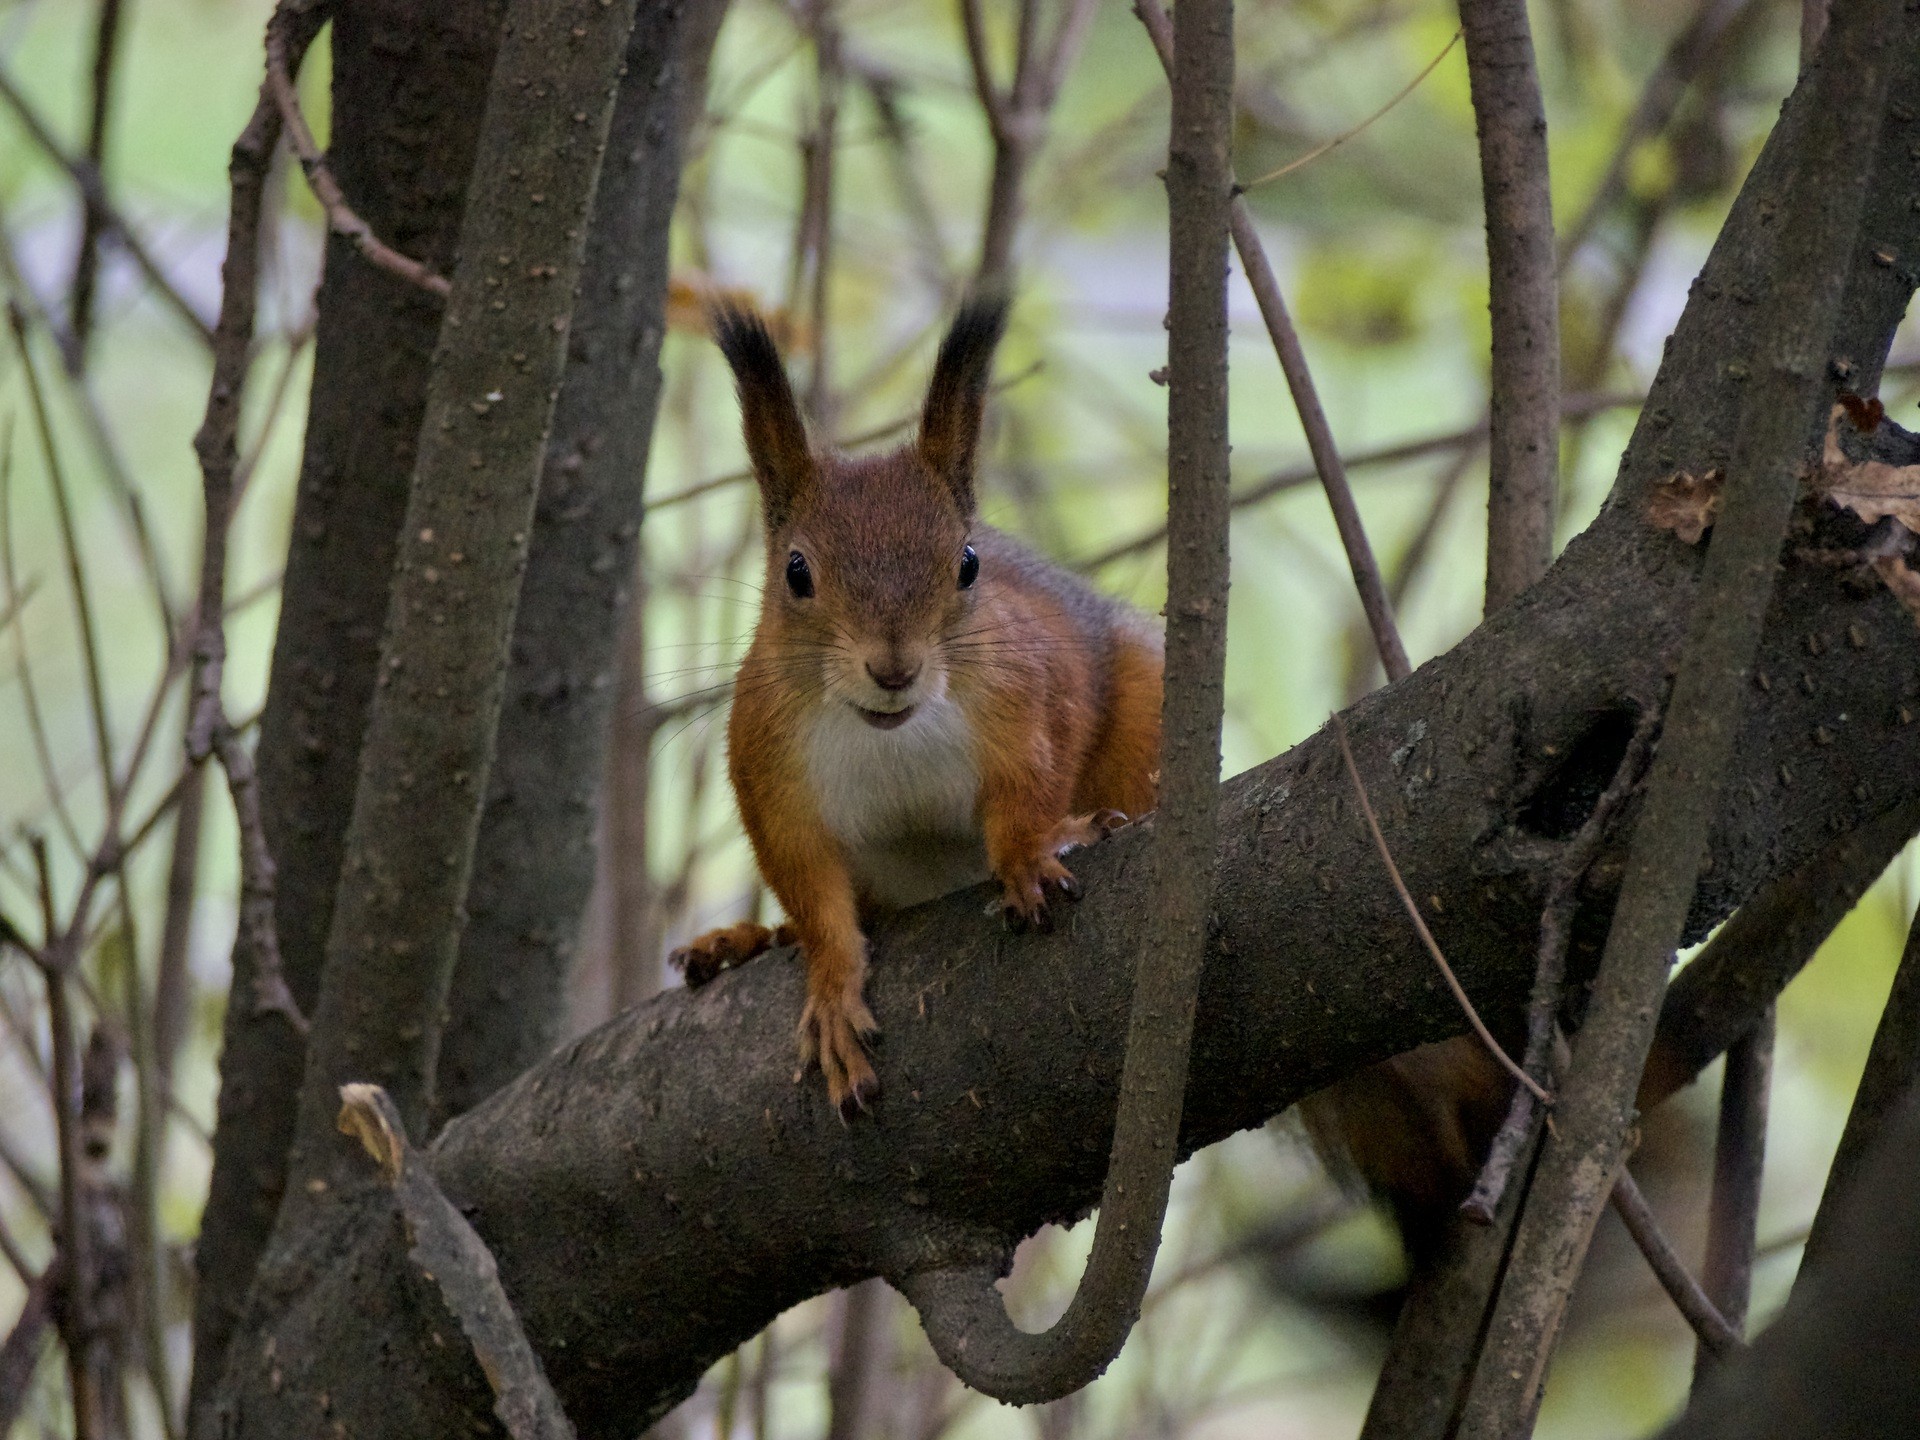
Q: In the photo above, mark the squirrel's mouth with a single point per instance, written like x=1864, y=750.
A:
x=886, y=719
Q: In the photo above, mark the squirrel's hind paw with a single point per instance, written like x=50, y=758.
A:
x=832, y=1035
x=702, y=959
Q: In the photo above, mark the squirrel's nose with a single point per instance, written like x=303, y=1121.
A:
x=893, y=677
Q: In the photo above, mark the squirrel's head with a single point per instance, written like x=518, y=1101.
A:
x=869, y=570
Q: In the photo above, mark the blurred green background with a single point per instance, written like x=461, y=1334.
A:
x=1267, y=1317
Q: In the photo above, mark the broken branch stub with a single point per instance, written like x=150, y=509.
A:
x=447, y=1252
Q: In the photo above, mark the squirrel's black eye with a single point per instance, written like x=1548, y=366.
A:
x=799, y=577
x=969, y=568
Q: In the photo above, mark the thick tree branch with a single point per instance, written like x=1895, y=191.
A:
x=463, y=549
x=1791, y=390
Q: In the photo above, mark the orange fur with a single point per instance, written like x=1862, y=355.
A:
x=900, y=728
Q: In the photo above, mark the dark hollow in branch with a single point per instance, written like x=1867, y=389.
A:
x=1543, y=1006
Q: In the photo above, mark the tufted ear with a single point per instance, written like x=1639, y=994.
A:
x=950, y=423
x=776, y=436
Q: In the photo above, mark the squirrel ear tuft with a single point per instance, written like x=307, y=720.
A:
x=776, y=436
x=950, y=423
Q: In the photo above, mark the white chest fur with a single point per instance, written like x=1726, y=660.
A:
x=902, y=802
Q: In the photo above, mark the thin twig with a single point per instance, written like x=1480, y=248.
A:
x=1295, y=476
x=342, y=219
x=23, y=661
x=898, y=426
x=1494, y=1048
x=76, y=1319
x=209, y=732
x=94, y=193
x=113, y=466
x=86, y=263
x=1327, y=146
x=1556, y=933
x=1690, y=53
x=70, y=550
x=1688, y=1298
x=1306, y=398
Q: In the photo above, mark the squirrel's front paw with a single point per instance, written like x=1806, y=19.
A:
x=832, y=1034
x=702, y=959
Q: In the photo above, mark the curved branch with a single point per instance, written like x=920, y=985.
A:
x=342, y=219
x=964, y=1315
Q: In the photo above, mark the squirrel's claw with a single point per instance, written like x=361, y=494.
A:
x=832, y=1035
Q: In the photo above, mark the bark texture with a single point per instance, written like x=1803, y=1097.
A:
x=535, y=858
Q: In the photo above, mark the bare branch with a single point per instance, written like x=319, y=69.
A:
x=1716, y=1334
x=95, y=195
x=1524, y=444
x=341, y=217
x=87, y=259
x=1733, y=1212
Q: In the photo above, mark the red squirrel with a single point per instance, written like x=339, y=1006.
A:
x=926, y=703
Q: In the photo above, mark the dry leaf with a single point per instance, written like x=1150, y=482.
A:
x=1686, y=503
x=1871, y=489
